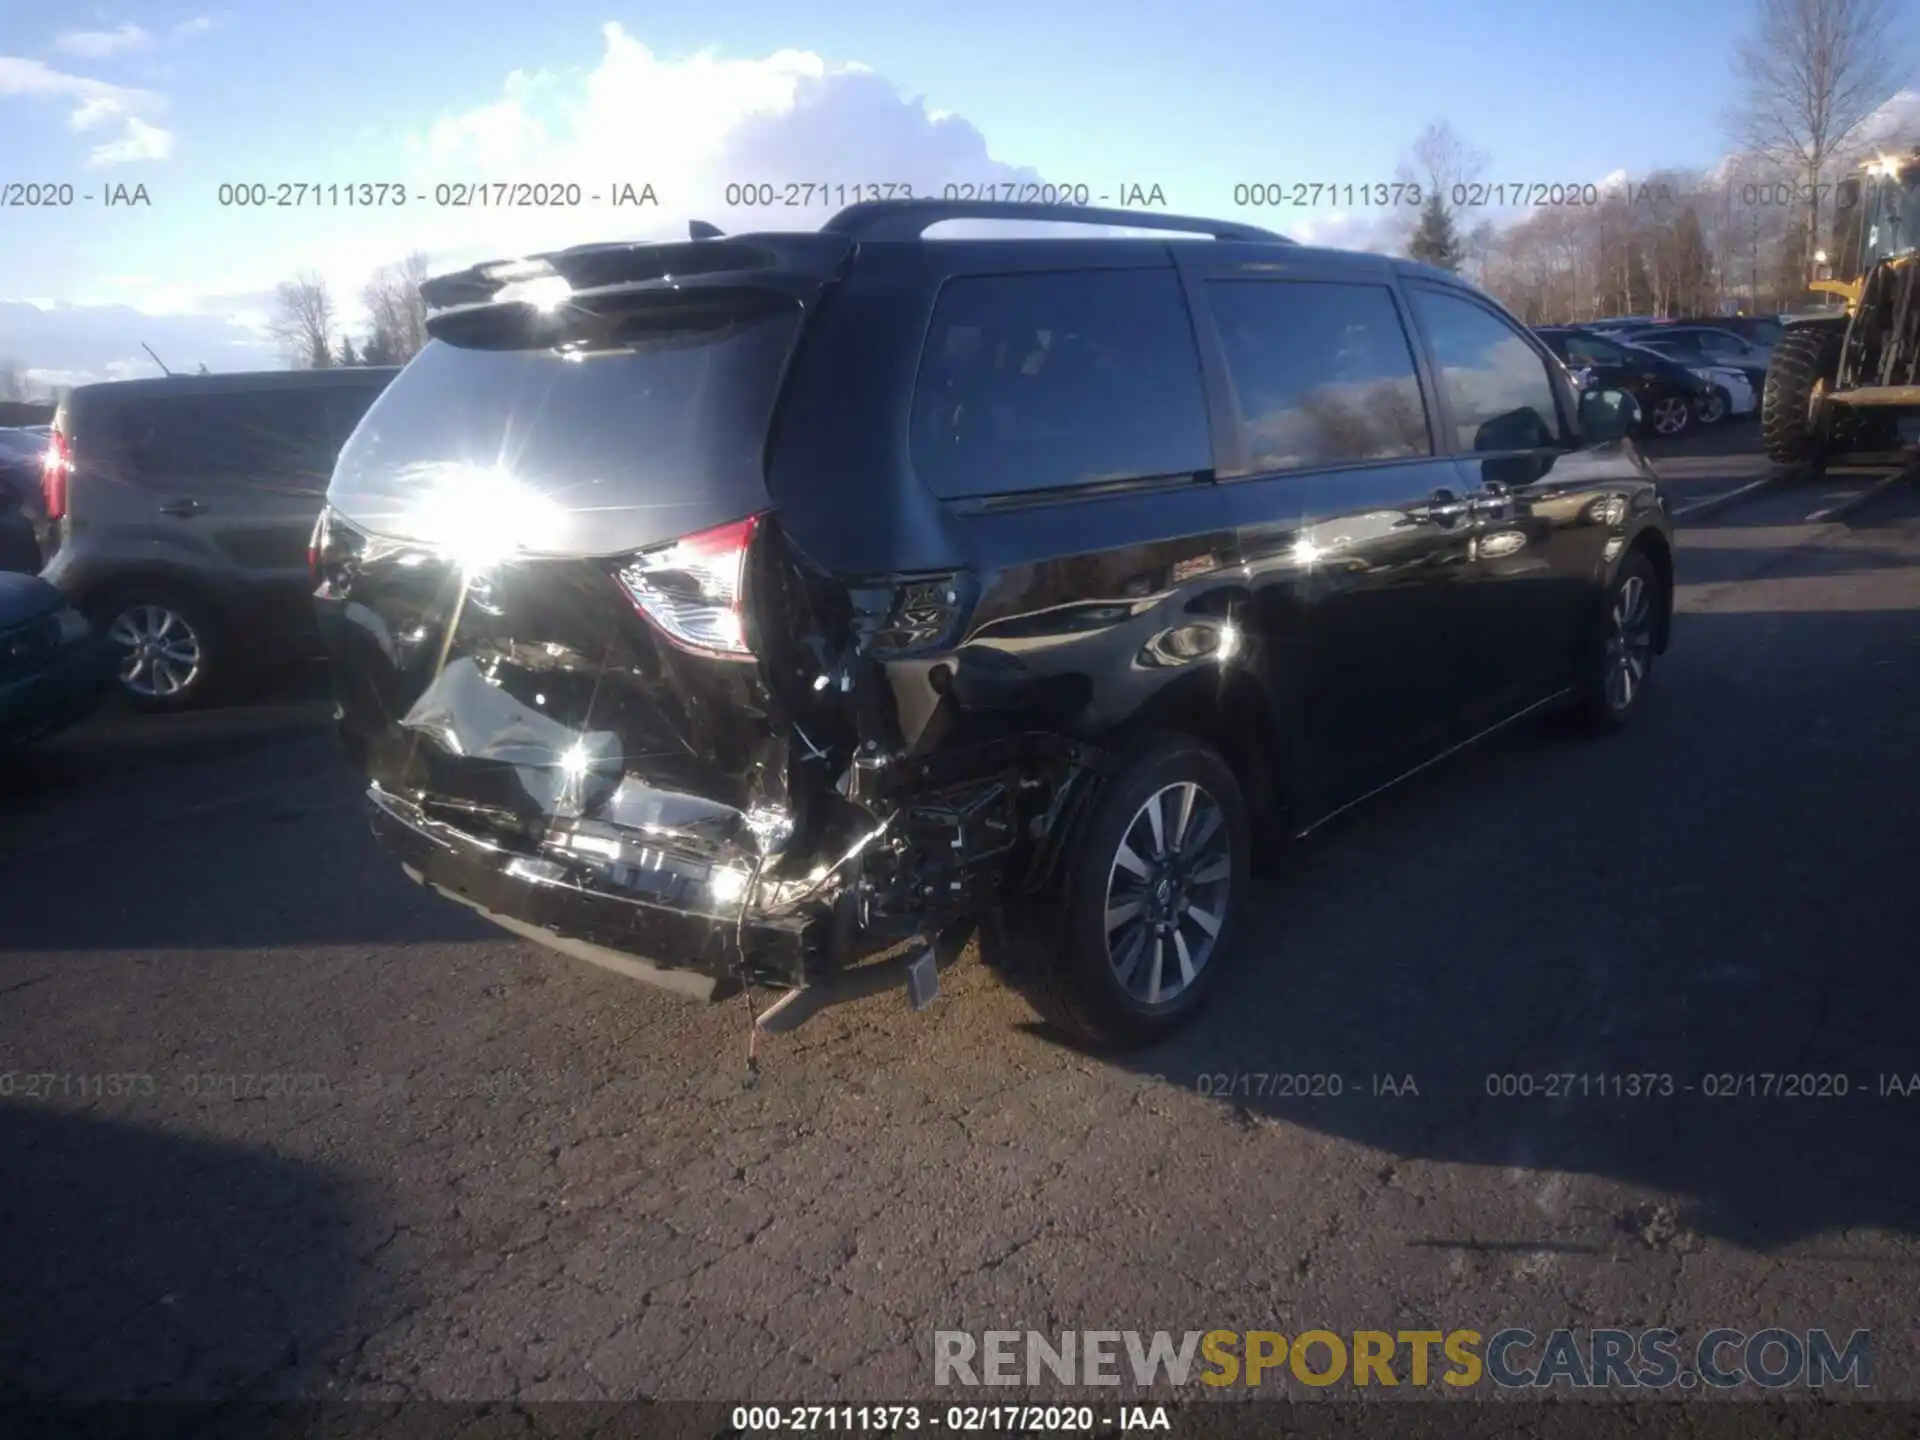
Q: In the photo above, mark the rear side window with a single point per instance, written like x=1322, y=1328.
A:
x=261, y=434
x=1496, y=385
x=1035, y=382
x=1323, y=373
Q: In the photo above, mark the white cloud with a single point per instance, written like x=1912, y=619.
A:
x=1344, y=229
x=692, y=127
x=95, y=104
x=1895, y=123
x=198, y=25
x=138, y=141
x=688, y=127
x=100, y=44
x=66, y=344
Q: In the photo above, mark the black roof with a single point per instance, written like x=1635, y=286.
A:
x=606, y=275
x=234, y=381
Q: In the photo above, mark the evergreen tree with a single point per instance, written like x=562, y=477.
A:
x=1435, y=242
x=347, y=355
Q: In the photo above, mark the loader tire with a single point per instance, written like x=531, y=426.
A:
x=1804, y=356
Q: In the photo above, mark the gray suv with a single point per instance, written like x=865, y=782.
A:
x=178, y=512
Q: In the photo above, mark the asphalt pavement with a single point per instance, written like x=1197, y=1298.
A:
x=275, y=1123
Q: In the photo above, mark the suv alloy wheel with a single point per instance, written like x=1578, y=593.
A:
x=1153, y=886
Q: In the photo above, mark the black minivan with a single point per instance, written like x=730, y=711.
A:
x=738, y=610
x=177, y=513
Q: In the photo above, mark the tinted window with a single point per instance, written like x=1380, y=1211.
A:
x=1496, y=384
x=1323, y=373
x=1718, y=342
x=1030, y=382
x=1687, y=340
x=261, y=433
x=1590, y=350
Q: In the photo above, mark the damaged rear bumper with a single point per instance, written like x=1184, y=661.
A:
x=557, y=903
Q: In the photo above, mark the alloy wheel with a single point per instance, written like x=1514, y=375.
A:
x=1713, y=407
x=1167, y=892
x=1670, y=416
x=1629, y=643
x=163, y=652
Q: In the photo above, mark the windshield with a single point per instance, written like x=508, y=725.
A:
x=1892, y=222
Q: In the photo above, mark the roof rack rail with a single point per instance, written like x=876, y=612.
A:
x=909, y=219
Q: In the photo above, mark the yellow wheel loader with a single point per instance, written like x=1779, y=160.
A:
x=1840, y=384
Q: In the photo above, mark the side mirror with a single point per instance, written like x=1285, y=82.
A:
x=1608, y=415
x=1846, y=195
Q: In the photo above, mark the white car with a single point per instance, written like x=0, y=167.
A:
x=1732, y=393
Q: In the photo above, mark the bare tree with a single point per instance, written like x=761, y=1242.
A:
x=1477, y=248
x=1438, y=160
x=1812, y=74
x=304, y=322
x=1442, y=159
x=13, y=381
x=399, y=315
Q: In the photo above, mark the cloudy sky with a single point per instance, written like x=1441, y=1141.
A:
x=1194, y=98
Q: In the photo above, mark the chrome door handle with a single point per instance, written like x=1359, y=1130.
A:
x=1445, y=506
x=186, y=507
x=1493, y=497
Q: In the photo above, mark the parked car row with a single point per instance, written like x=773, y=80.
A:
x=175, y=514
x=1682, y=375
x=165, y=523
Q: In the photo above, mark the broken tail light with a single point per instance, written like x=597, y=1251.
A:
x=690, y=589
x=316, y=547
x=55, y=466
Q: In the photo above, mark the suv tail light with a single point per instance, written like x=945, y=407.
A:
x=690, y=589
x=55, y=466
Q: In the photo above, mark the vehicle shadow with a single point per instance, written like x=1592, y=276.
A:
x=1679, y=957
x=138, y=1264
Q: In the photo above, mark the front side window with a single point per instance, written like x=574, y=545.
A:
x=1496, y=385
x=1323, y=373
x=1591, y=350
x=1041, y=381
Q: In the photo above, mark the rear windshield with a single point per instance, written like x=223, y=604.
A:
x=577, y=453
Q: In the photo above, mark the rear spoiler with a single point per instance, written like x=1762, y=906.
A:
x=589, y=268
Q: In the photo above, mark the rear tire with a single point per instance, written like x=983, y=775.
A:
x=176, y=651
x=1176, y=887
x=1807, y=355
